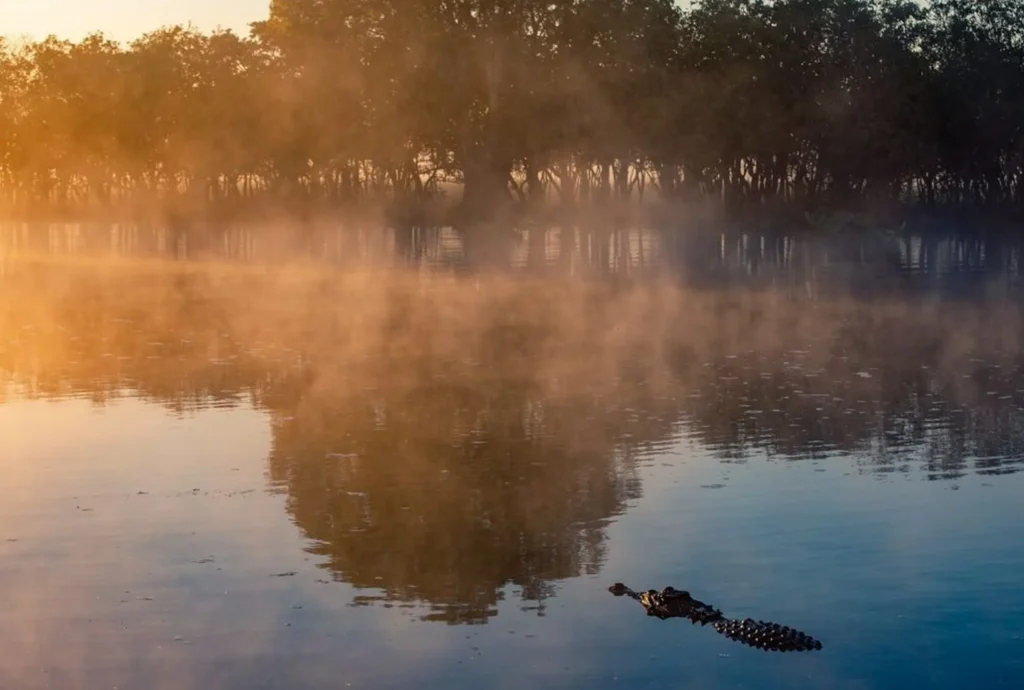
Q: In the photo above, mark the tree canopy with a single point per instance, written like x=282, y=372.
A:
x=336, y=102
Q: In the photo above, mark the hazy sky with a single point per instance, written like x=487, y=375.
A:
x=123, y=19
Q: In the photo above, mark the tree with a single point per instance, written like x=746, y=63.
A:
x=329, y=103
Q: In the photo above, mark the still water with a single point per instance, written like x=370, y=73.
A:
x=223, y=475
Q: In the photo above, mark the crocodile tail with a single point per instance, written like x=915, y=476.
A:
x=767, y=635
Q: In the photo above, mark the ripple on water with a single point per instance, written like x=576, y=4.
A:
x=353, y=502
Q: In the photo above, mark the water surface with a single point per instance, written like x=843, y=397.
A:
x=235, y=476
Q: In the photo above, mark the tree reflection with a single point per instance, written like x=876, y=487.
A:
x=446, y=474
x=441, y=439
x=898, y=385
x=448, y=492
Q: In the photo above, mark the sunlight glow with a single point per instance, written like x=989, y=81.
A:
x=124, y=20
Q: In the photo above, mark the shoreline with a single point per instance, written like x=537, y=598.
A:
x=771, y=219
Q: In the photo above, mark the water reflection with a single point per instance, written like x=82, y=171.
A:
x=898, y=394
x=556, y=372
x=482, y=448
x=439, y=439
x=949, y=261
x=448, y=492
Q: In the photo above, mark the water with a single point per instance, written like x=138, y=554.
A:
x=234, y=476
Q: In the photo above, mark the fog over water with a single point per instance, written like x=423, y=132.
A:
x=284, y=474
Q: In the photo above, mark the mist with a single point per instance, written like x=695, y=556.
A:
x=385, y=333
x=420, y=113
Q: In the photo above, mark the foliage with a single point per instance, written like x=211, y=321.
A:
x=743, y=102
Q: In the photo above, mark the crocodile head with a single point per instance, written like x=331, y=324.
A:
x=673, y=593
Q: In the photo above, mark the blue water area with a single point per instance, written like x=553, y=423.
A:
x=259, y=480
x=906, y=582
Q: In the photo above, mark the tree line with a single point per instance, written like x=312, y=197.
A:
x=336, y=103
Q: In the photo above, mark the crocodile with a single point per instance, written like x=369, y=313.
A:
x=676, y=603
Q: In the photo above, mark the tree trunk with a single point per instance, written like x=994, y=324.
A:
x=485, y=186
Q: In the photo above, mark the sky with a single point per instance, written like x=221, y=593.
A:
x=123, y=20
